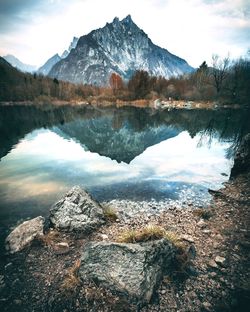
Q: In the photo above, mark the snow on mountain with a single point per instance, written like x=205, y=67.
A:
x=120, y=47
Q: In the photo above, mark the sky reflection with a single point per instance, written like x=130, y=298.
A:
x=45, y=163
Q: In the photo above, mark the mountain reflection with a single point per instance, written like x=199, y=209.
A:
x=120, y=134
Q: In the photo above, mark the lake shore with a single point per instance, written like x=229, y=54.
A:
x=141, y=103
x=32, y=279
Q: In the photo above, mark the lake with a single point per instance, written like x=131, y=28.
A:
x=121, y=154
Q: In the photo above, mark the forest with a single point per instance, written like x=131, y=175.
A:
x=225, y=81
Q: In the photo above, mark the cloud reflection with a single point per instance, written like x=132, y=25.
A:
x=45, y=163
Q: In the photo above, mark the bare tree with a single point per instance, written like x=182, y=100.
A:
x=219, y=71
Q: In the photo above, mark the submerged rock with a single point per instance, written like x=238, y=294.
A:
x=129, y=270
x=77, y=211
x=24, y=234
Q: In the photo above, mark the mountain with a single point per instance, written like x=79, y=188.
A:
x=118, y=139
x=120, y=47
x=45, y=69
x=15, y=62
x=71, y=46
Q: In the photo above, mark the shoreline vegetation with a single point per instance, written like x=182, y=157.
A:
x=225, y=83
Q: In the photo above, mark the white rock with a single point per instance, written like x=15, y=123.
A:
x=220, y=260
x=24, y=234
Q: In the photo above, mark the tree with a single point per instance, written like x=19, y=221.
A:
x=139, y=84
x=219, y=71
x=115, y=82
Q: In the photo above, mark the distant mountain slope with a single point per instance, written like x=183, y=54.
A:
x=45, y=69
x=15, y=62
x=120, y=47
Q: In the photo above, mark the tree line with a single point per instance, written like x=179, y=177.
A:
x=225, y=81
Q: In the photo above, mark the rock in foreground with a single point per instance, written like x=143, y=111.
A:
x=24, y=234
x=77, y=211
x=130, y=270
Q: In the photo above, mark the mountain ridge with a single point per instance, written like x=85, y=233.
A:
x=15, y=62
x=120, y=47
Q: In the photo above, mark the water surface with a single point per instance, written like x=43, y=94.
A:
x=129, y=153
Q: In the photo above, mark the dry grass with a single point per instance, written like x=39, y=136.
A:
x=51, y=238
x=110, y=214
x=71, y=280
x=149, y=233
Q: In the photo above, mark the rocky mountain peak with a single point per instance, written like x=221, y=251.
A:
x=120, y=47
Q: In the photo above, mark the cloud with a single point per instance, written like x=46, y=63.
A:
x=191, y=29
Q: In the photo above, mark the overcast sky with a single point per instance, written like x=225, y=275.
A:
x=34, y=30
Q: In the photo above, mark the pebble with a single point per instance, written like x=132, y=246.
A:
x=212, y=264
x=61, y=248
x=206, y=231
x=188, y=238
x=104, y=236
x=220, y=260
x=202, y=223
x=206, y=305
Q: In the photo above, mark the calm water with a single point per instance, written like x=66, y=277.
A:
x=134, y=154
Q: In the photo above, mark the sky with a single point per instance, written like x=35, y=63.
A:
x=35, y=30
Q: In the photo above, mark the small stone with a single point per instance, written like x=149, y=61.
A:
x=206, y=231
x=104, y=236
x=163, y=291
x=61, y=248
x=212, y=264
x=18, y=301
x=202, y=223
x=206, y=305
x=188, y=238
x=220, y=260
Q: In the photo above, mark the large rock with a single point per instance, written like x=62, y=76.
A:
x=132, y=271
x=242, y=158
x=24, y=234
x=77, y=211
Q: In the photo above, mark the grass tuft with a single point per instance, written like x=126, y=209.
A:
x=110, y=214
x=71, y=280
x=149, y=233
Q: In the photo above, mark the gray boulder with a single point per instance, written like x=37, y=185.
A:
x=24, y=234
x=129, y=270
x=77, y=211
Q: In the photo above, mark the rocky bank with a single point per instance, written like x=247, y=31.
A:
x=50, y=274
